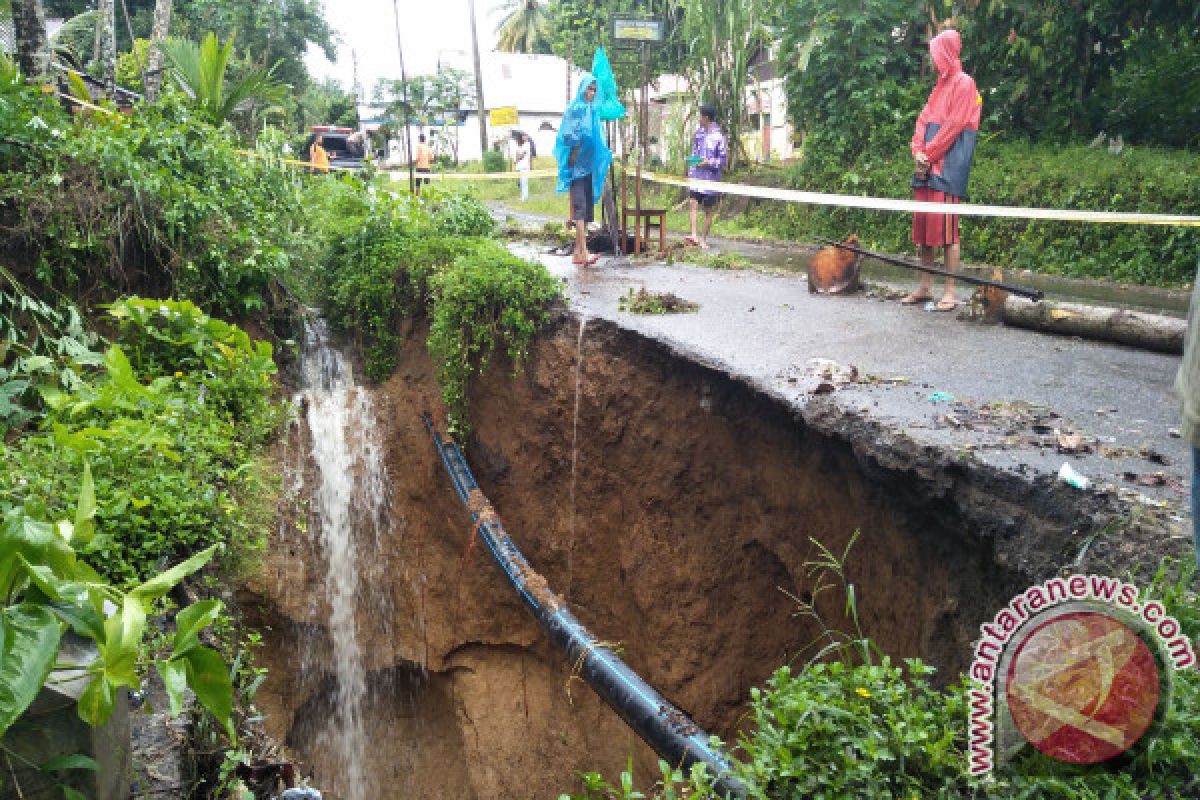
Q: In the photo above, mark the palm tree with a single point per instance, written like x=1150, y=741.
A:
x=158, y=35
x=199, y=70
x=33, y=52
x=525, y=27
x=68, y=43
x=106, y=42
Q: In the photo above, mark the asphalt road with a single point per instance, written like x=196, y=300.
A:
x=999, y=393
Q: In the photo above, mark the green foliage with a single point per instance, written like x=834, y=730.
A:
x=131, y=64
x=173, y=336
x=494, y=161
x=641, y=301
x=1052, y=71
x=578, y=27
x=460, y=214
x=428, y=256
x=162, y=203
x=377, y=269
x=1016, y=174
x=326, y=103
x=722, y=36
x=855, y=82
x=48, y=589
x=448, y=90
x=869, y=731
x=486, y=300
x=200, y=71
x=43, y=352
x=1046, y=67
x=1155, y=96
x=175, y=442
x=525, y=27
x=847, y=724
x=719, y=260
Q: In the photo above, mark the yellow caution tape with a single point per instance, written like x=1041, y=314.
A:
x=402, y=175
x=888, y=204
x=85, y=104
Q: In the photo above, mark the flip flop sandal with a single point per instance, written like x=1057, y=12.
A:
x=914, y=299
x=591, y=261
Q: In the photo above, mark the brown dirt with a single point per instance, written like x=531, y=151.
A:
x=695, y=503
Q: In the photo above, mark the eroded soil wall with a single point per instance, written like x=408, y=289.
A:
x=689, y=542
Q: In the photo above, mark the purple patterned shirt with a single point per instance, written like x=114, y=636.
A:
x=709, y=145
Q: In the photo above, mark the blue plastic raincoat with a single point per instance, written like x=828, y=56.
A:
x=582, y=127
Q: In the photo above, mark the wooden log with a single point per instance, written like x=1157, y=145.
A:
x=1148, y=331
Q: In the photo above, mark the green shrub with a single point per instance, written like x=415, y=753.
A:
x=1017, y=174
x=494, y=161
x=461, y=214
x=406, y=257
x=160, y=203
x=847, y=727
x=378, y=269
x=488, y=299
x=175, y=445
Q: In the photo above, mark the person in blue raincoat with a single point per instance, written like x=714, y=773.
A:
x=583, y=159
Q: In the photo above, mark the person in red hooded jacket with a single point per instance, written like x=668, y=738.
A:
x=943, y=145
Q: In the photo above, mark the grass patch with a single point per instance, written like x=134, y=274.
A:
x=644, y=302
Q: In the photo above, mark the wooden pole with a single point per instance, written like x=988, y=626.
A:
x=478, y=83
x=641, y=155
x=412, y=183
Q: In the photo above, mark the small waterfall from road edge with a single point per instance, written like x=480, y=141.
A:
x=575, y=450
x=349, y=506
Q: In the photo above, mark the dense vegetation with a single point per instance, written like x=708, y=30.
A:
x=1019, y=174
x=432, y=257
x=1052, y=78
x=163, y=202
x=857, y=725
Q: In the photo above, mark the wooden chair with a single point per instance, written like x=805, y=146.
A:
x=643, y=223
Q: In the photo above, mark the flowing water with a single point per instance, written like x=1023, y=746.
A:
x=575, y=442
x=349, y=505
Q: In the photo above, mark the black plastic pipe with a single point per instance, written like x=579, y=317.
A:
x=669, y=731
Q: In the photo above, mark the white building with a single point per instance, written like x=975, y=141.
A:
x=536, y=85
x=769, y=134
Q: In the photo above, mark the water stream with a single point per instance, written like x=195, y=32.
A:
x=349, y=505
x=575, y=444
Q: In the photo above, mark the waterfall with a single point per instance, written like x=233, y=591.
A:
x=349, y=505
x=575, y=452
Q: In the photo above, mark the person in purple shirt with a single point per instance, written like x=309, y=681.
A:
x=709, y=155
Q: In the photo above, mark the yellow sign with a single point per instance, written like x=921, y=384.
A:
x=638, y=30
x=503, y=116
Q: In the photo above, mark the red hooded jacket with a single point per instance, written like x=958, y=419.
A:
x=949, y=123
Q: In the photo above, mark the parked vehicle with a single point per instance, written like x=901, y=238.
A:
x=347, y=148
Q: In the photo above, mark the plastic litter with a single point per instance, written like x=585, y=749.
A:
x=1071, y=477
x=930, y=306
x=300, y=793
x=941, y=397
x=608, y=97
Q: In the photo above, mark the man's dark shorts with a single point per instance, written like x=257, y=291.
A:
x=705, y=199
x=423, y=176
x=583, y=208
